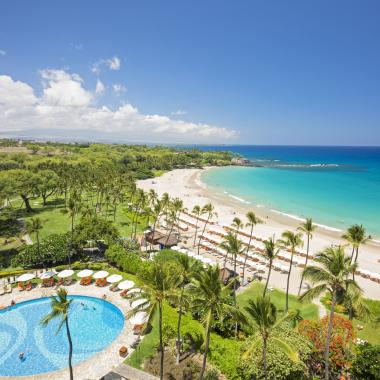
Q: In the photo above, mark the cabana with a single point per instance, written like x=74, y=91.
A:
x=85, y=276
x=100, y=278
x=163, y=240
x=65, y=277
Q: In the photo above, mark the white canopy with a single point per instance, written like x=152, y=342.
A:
x=139, y=318
x=101, y=274
x=25, y=277
x=48, y=274
x=134, y=290
x=138, y=302
x=114, y=278
x=175, y=248
x=85, y=273
x=65, y=273
x=127, y=284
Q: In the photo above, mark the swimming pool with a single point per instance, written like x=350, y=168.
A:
x=94, y=324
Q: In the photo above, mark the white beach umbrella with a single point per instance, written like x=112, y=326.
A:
x=139, y=302
x=175, y=248
x=47, y=275
x=65, y=273
x=206, y=260
x=134, y=290
x=191, y=254
x=85, y=273
x=26, y=277
x=101, y=274
x=114, y=278
x=125, y=285
x=139, y=318
x=198, y=257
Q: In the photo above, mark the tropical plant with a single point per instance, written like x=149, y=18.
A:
x=263, y=316
x=237, y=224
x=253, y=220
x=271, y=249
x=197, y=212
x=60, y=308
x=211, y=299
x=159, y=283
x=186, y=268
x=367, y=362
x=290, y=240
x=35, y=226
x=330, y=276
x=307, y=228
x=209, y=210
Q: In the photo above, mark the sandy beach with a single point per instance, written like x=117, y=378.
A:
x=187, y=185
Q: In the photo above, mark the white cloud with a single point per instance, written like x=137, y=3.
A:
x=66, y=105
x=113, y=63
x=75, y=46
x=3, y=53
x=99, y=87
x=118, y=89
x=179, y=113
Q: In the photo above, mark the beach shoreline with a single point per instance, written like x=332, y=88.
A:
x=188, y=185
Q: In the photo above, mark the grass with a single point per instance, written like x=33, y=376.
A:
x=307, y=310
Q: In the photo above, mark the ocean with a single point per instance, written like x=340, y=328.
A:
x=336, y=186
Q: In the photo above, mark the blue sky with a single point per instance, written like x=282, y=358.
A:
x=259, y=72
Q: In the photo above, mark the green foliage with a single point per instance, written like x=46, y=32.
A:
x=367, y=363
x=95, y=228
x=280, y=367
x=53, y=251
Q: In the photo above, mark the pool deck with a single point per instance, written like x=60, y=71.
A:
x=101, y=363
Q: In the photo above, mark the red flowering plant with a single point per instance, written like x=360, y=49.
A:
x=340, y=355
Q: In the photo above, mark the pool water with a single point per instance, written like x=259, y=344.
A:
x=94, y=324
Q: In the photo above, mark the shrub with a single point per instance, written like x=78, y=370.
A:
x=279, y=366
x=53, y=251
x=341, y=341
x=367, y=363
x=128, y=262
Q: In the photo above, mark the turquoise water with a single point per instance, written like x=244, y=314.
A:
x=94, y=324
x=335, y=186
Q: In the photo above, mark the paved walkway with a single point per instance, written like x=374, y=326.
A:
x=125, y=372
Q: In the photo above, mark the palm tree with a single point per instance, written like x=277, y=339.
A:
x=197, y=212
x=330, y=276
x=263, y=316
x=208, y=209
x=291, y=240
x=187, y=268
x=237, y=224
x=232, y=245
x=270, y=251
x=211, y=300
x=307, y=228
x=35, y=226
x=252, y=221
x=355, y=235
x=158, y=286
x=60, y=307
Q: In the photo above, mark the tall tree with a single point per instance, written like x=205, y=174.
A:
x=331, y=275
x=197, y=212
x=212, y=300
x=292, y=241
x=271, y=249
x=159, y=283
x=186, y=267
x=35, y=226
x=209, y=210
x=306, y=228
x=253, y=220
x=263, y=317
x=237, y=224
x=60, y=308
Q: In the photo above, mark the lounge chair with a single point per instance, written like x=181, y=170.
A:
x=20, y=287
x=68, y=281
x=29, y=287
x=101, y=282
x=2, y=290
x=113, y=288
x=124, y=293
x=8, y=288
x=86, y=281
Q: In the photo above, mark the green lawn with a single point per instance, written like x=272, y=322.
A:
x=308, y=310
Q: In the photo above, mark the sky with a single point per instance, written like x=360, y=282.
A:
x=291, y=72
